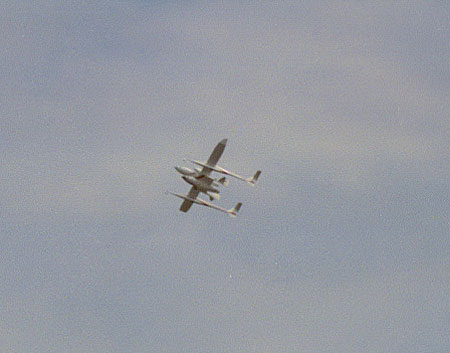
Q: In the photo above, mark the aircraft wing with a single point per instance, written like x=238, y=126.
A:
x=186, y=205
x=214, y=157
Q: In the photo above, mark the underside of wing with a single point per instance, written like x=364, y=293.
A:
x=186, y=205
x=205, y=179
x=214, y=157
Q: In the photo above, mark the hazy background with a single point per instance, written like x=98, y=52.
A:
x=342, y=246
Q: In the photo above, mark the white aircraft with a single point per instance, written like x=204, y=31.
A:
x=202, y=182
x=231, y=212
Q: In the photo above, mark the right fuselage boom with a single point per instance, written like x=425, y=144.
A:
x=221, y=170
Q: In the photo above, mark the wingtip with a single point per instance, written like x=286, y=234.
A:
x=223, y=142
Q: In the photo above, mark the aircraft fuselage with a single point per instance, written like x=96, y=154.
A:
x=186, y=171
x=199, y=184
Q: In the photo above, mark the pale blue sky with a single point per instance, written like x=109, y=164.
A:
x=342, y=246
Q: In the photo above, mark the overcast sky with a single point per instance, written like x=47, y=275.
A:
x=343, y=244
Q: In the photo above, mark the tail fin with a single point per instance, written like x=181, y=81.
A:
x=255, y=178
x=235, y=209
x=224, y=181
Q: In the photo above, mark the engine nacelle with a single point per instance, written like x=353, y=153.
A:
x=213, y=196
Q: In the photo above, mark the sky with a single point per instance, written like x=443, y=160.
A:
x=342, y=245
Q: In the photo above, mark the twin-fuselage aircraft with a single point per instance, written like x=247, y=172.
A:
x=201, y=181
